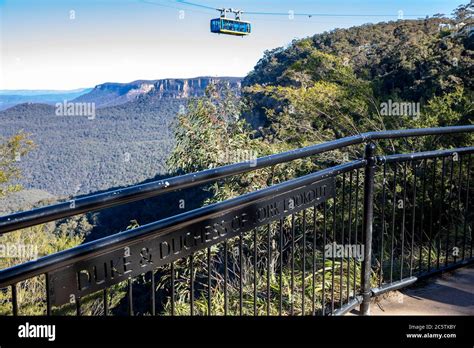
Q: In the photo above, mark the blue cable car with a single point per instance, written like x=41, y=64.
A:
x=224, y=25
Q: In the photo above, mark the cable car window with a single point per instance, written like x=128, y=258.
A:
x=224, y=25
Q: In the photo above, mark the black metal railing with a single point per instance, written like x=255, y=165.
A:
x=431, y=229
x=319, y=244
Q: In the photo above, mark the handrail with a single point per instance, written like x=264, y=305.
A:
x=116, y=241
x=109, y=199
x=424, y=155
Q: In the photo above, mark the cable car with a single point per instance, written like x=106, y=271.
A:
x=228, y=26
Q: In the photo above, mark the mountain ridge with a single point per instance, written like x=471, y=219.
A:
x=117, y=93
x=127, y=142
x=109, y=94
x=11, y=98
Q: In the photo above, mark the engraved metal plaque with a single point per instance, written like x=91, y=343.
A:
x=99, y=272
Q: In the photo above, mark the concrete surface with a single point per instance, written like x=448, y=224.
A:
x=449, y=294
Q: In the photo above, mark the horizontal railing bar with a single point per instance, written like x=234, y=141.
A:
x=423, y=155
x=139, y=192
x=393, y=286
x=113, y=242
x=348, y=306
x=416, y=132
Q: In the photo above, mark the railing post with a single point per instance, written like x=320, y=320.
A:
x=368, y=221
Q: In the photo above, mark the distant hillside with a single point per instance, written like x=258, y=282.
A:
x=10, y=98
x=409, y=60
x=112, y=94
x=75, y=155
x=125, y=144
x=24, y=200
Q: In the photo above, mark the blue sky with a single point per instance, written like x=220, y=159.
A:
x=67, y=44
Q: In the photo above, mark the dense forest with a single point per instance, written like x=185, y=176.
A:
x=421, y=61
x=127, y=142
x=123, y=145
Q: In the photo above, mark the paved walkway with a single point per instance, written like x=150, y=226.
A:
x=449, y=294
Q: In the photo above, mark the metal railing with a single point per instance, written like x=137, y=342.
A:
x=281, y=250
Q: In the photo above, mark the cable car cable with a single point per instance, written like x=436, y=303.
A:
x=170, y=6
x=296, y=14
x=239, y=27
x=185, y=2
